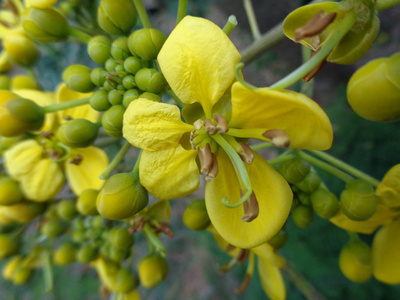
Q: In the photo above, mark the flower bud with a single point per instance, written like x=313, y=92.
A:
x=65, y=254
x=133, y=64
x=119, y=48
x=21, y=275
x=99, y=49
x=122, y=196
x=66, y=210
x=45, y=25
x=4, y=82
x=78, y=133
x=23, y=212
x=86, y=253
x=52, y=228
x=310, y=183
x=99, y=100
x=98, y=76
x=355, y=261
x=86, y=203
x=116, y=16
x=8, y=246
x=294, y=170
x=118, y=255
x=110, y=64
x=152, y=270
x=20, y=49
x=129, y=82
x=150, y=96
x=302, y=215
x=112, y=120
x=24, y=82
x=125, y=281
x=120, y=238
x=150, y=80
x=10, y=192
x=195, y=216
x=129, y=96
x=115, y=97
x=279, y=240
x=358, y=200
x=77, y=78
x=325, y=204
x=146, y=43
x=11, y=266
x=5, y=64
x=388, y=191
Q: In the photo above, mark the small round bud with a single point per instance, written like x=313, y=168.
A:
x=110, y=64
x=99, y=100
x=132, y=64
x=79, y=236
x=125, y=281
x=5, y=82
x=98, y=76
x=119, y=48
x=21, y=275
x=99, y=49
x=279, y=240
x=8, y=246
x=116, y=16
x=45, y=25
x=112, y=120
x=355, y=261
x=78, y=133
x=52, y=228
x=10, y=192
x=11, y=266
x=325, y=204
x=97, y=222
x=152, y=270
x=151, y=96
x=310, y=183
x=119, y=68
x=358, y=200
x=117, y=255
x=66, y=210
x=195, y=216
x=129, y=96
x=150, y=80
x=86, y=203
x=294, y=170
x=302, y=215
x=122, y=196
x=121, y=238
x=24, y=82
x=146, y=43
x=20, y=49
x=86, y=253
x=129, y=82
x=77, y=78
x=304, y=198
x=65, y=254
x=115, y=97
x=93, y=233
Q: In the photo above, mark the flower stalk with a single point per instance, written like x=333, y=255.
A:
x=65, y=105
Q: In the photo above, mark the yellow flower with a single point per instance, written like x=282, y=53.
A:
x=198, y=61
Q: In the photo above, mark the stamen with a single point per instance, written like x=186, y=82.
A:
x=315, y=26
x=209, y=126
x=67, y=118
x=314, y=71
x=278, y=137
x=222, y=124
x=246, y=154
x=213, y=170
x=249, y=273
x=191, y=139
x=242, y=256
x=251, y=209
x=244, y=285
x=47, y=134
x=76, y=160
x=198, y=124
x=206, y=159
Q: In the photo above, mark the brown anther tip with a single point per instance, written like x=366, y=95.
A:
x=247, y=154
x=67, y=118
x=213, y=172
x=244, y=285
x=222, y=124
x=230, y=248
x=314, y=26
x=314, y=71
x=209, y=126
x=76, y=160
x=278, y=137
x=251, y=209
x=198, y=124
x=242, y=256
x=47, y=134
x=206, y=159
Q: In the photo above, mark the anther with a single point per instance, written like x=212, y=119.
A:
x=251, y=209
x=209, y=126
x=242, y=256
x=222, y=124
x=47, y=134
x=278, y=137
x=316, y=25
x=314, y=71
x=244, y=284
x=206, y=159
x=198, y=124
x=192, y=136
x=76, y=160
x=212, y=173
x=246, y=154
x=67, y=118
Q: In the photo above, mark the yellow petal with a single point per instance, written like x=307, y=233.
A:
x=22, y=158
x=23, y=212
x=41, y=3
x=169, y=174
x=274, y=199
x=198, y=61
x=107, y=272
x=43, y=182
x=134, y=295
x=382, y=216
x=64, y=94
x=304, y=122
x=8, y=17
x=388, y=191
x=269, y=264
x=153, y=126
x=85, y=176
x=386, y=254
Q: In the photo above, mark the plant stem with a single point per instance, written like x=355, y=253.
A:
x=304, y=286
x=47, y=271
x=83, y=37
x=281, y=158
x=116, y=161
x=307, y=88
x=65, y=105
x=327, y=167
x=154, y=240
x=342, y=28
x=255, y=31
x=230, y=25
x=182, y=8
x=385, y=4
x=136, y=167
x=142, y=13
x=346, y=167
x=260, y=146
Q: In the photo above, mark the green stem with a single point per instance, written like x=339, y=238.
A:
x=136, y=167
x=83, y=37
x=385, y=4
x=116, y=161
x=65, y=105
x=47, y=271
x=260, y=146
x=346, y=167
x=175, y=97
x=353, y=236
x=106, y=142
x=280, y=159
x=182, y=8
x=142, y=13
x=230, y=25
x=255, y=31
x=327, y=167
x=341, y=30
x=154, y=240
x=307, y=88
x=239, y=77
x=302, y=284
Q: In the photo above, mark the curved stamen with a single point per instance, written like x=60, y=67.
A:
x=67, y=153
x=239, y=77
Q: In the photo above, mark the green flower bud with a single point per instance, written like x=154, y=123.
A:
x=129, y=96
x=122, y=196
x=129, y=82
x=10, y=192
x=52, y=228
x=121, y=238
x=45, y=25
x=152, y=270
x=325, y=204
x=93, y=233
x=21, y=275
x=119, y=68
x=65, y=254
x=78, y=133
x=97, y=222
x=117, y=255
x=77, y=78
x=116, y=16
x=24, y=82
x=79, y=236
x=146, y=43
x=355, y=261
x=110, y=64
x=279, y=240
x=115, y=97
x=99, y=49
x=195, y=216
x=302, y=215
x=20, y=49
x=125, y=281
x=132, y=64
x=358, y=200
x=86, y=253
x=119, y=48
x=105, y=250
x=294, y=170
x=86, y=203
x=5, y=82
x=151, y=96
x=310, y=183
x=112, y=120
x=304, y=198
x=66, y=210
x=150, y=80
x=99, y=100
x=8, y=246
x=98, y=76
